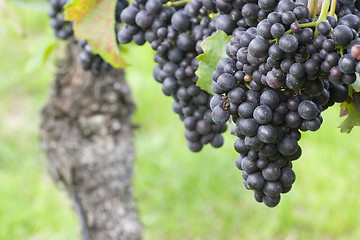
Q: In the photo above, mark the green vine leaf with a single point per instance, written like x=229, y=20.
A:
x=94, y=20
x=214, y=50
x=356, y=84
x=350, y=109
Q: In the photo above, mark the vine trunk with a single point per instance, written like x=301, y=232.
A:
x=87, y=135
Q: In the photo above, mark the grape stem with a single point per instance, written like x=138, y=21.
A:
x=340, y=50
x=332, y=8
x=312, y=6
x=176, y=3
x=213, y=15
x=324, y=11
x=321, y=18
x=323, y=14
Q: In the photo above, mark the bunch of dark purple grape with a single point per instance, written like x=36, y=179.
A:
x=176, y=31
x=63, y=30
x=284, y=67
x=278, y=77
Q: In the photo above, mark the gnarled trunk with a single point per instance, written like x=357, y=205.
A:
x=87, y=135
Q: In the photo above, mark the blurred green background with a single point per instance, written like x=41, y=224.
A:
x=180, y=195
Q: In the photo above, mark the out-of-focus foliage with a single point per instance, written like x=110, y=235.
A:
x=32, y=207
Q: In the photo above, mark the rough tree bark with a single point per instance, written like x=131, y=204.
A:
x=87, y=135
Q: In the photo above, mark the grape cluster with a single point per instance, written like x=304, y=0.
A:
x=276, y=80
x=176, y=32
x=283, y=69
x=64, y=30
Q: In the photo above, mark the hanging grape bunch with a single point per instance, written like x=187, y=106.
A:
x=284, y=63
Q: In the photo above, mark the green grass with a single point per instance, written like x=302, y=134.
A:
x=180, y=195
x=31, y=205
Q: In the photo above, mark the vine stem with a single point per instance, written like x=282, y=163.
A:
x=176, y=3
x=312, y=6
x=324, y=11
x=321, y=18
x=323, y=14
x=303, y=25
x=332, y=8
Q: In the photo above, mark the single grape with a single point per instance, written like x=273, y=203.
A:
x=355, y=52
x=287, y=177
x=271, y=172
x=272, y=189
x=308, y=110
x=262, y=114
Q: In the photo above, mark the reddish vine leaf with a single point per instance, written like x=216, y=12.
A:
x=214, y=50
x=350, y=109
x=94, y=20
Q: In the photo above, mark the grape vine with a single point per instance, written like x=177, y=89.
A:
x=284, y=63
